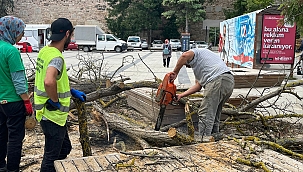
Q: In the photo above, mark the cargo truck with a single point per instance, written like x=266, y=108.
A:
x=92, y=37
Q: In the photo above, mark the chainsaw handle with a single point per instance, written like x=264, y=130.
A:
x=172, y=77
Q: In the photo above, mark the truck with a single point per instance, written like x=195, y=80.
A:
x=36, y=35
x=92, y=37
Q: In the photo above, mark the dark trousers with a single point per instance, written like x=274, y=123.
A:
x=57, y=144
x=12, y=132
x=166, y=61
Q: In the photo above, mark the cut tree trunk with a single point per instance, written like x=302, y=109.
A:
x=117, y=122
x=157, y=138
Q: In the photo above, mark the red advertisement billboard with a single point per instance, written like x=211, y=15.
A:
x=278, y=42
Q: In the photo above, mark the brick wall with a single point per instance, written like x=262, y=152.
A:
x=94, y=12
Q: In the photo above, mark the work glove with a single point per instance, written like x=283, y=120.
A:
x=52, y=106
x=28, y=107
x=78, y=94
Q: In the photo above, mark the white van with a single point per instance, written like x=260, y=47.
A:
x=36, y=35
x=134, y=43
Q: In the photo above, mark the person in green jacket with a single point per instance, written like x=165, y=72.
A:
x=14, y=98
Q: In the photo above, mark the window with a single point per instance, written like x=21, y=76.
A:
x=133, y=39
x=28, y=33
x=101, y=38
x=110, y=38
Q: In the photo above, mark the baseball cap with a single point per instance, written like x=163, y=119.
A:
x=59, y=28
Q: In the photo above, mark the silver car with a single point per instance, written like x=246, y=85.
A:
x=134, y=42
x=175, y=44
x=201, y=44
x=156, y=45
x=144, y=44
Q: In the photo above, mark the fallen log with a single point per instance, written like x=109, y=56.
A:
x=115, y=89
x=174, y=125
x=291, y=142
x=186, y=139
x=134, y=131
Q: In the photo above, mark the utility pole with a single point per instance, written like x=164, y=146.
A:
x=186, y=23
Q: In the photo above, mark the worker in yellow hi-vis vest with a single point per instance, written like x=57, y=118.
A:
x=52, y=94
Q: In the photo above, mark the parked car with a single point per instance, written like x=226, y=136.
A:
x=72, y=46
x=156, y=45
x=24, y=47
x=134, y=43
x=192, y=44
x=175, y=44
x=201, y=44
x=144, y=44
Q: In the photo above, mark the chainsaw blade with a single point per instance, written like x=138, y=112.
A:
x=160, y=117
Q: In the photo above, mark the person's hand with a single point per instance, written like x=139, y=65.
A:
x=28, y=107
x=172, y=77
x=52, y=106
x=178, y=97
x=78, y=94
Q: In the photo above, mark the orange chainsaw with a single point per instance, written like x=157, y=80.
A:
x=166, y=94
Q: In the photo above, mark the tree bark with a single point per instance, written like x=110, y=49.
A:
x=115, y=89
x=151, y=136
x=82, y=118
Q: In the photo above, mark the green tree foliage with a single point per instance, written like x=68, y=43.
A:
x=128, y=17
x=245, y=6
x=253, y=5
x=293, y=11
x=239, y=8
x=192, y=9
x=5, y=7
x=170, y=29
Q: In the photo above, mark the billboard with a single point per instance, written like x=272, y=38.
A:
x=278, y=42
x=237, y=36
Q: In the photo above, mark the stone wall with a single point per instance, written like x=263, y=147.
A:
x=81, y=12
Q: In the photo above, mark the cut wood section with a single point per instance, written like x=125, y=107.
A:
x=92, y=164
x=280, y=161
x=69, y=165
x=245, y=78
x=58, y=166
x=210, y=157
x=81, y=165
x=142, y=99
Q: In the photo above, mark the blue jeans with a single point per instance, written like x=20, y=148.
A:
x=216, y=93
x=12, y=132
x=57, y=144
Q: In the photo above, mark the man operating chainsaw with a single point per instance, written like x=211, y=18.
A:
x=214, y=76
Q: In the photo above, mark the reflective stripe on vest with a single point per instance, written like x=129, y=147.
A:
x=44, y=94
x=62, y=108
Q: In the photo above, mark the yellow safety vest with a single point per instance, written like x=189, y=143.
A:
x=59, y=117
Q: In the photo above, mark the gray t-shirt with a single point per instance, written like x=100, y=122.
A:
x=58, y=64
x=207, y=65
